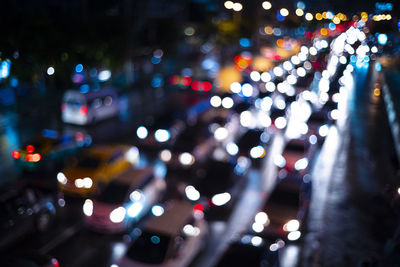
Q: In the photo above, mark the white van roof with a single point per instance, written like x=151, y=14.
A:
x=133, y=177
x=176, y=213
x=91, y=94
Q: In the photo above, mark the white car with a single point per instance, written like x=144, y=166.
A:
x=172, y=237
x=87, y=108
x=124, y=201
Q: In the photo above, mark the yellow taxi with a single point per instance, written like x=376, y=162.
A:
x=95, y=167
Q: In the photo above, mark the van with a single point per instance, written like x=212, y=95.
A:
x=88, y=108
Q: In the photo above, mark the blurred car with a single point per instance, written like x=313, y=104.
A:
x=278, y=118
x=251, y=251
x=296, y=156
x=318, y=126
x=95, y=167
x=252, y=144
x=49, y=149
x=214, y=185
x=88, y=108
x=23, y=210
x=172, y=237
x=27, y=259
x=160, y=131
x=124, y=201
x=194, y=144
x=281, y=214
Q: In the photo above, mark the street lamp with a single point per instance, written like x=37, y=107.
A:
x=284, y=12
x=266, y=5
x=237, y=6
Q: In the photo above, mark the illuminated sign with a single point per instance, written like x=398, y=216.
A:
x=383, y=6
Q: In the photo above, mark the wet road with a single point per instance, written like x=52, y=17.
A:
x=355, y=219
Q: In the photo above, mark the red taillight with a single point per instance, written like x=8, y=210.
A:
x=63, y=107
x=206, y=86
x=30, y=148
x=198, y=207
x=15, y=154
x=83, y=110
x=55, y=262
x=33, y=157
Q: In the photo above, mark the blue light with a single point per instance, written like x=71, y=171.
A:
x=79, y=68
x=332, y=26
x=382, y=38
x=300, y=30
x=155, y=239
x=5, y=69
x=378, y=66
x=157, y=81
x=277, y=32
x=84, y=88
x=301, y=5
x=353, y=59
x=384, y=6
x=53, y=134
x=244, y=42
x=279, y=17
x=14, y=82
x=155, y=60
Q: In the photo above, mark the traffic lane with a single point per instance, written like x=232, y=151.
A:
x=356, y=206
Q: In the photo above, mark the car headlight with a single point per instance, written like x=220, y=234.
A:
x=291, y=226
x=162, y=135
x=261, y=218
x=118, y=215
x=301, y=164
x=88, y=207
x=323, y=130
x=186, y=158
x=192, y=193
x=61, y=178
x=79, y=183
x=221, y=199
x=134, y=210
x=293, y=236
x=87, y=182
x=279, y=161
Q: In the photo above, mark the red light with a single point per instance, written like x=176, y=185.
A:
x=63, y=107
x=198, y=207
x=206, y=86
x=30, y=148
x=83, y=110
x=55, y=262
x=79, y=136
x=33, y=157
x=16, y=154
x=174, y=79
x=186, y=81
x=196, y=85
x=237, y=59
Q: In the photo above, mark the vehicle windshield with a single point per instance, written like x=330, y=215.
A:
x=284, y=197
x=295, y=147
x=114, y=193
x=89, y=162
x=150, y=248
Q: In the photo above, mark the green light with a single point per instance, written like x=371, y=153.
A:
x=155, y=239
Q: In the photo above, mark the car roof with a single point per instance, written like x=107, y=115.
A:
x=176, y=213
x=106, y=150
x=133, y=176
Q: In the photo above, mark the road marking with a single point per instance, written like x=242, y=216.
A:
x=61, y=238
